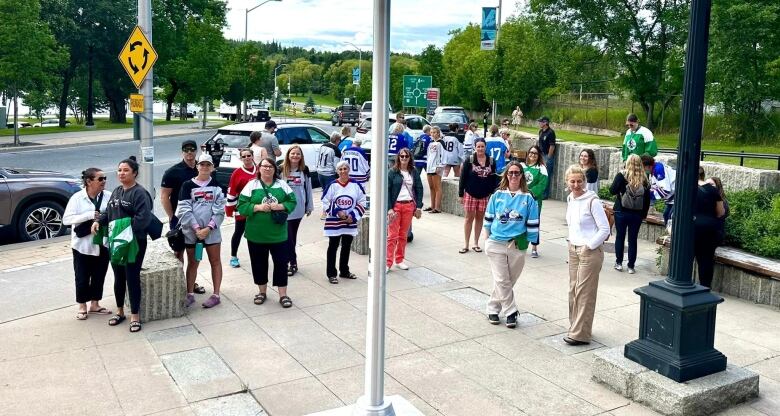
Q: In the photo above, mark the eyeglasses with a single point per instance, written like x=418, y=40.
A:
x=100, y=179
x=267, y=166
x=514, y=173
x=189, y=150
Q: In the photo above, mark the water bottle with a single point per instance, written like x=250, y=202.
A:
x=199, y=251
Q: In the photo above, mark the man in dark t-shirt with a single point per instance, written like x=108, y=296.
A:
x=547, y=144
x=172, y=180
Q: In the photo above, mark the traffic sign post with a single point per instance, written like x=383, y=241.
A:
x=137, y=103
x=137, y=56
x=415, y=89
x=432, y=95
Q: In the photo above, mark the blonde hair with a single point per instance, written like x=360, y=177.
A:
x=504, y=184
x=287, y=164
x=493, y=130
x=346, y=132
x=436, y=129
x=635, y=173
x=574, y=170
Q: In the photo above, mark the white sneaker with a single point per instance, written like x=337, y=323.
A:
x=402, y=266
x=387, y=269
x=631, y=271
x=618, y=267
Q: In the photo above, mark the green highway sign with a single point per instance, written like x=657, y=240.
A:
x=415, y=88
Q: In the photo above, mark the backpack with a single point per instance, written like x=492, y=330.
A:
x=418, y=150
x=633, y=198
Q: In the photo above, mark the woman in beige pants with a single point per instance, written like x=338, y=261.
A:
x=588, y=229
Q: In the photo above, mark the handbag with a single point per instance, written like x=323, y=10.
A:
x=85, y=228
x=278, y=217
x=176, y=239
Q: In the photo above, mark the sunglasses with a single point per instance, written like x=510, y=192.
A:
x=246, y=156
x=189, y=150
x=514, y=173
x=100, y=179
x=403, y=156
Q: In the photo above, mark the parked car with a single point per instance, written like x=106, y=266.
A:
x=50, y=122
x=260, y=114
x=414, y=125
x=345, y=114
x=32, y=202
x=21, y=124
x=236, y=137
x=451, y=109
x=443, y=121
x=365, y=110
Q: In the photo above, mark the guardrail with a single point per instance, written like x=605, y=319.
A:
x=741, y=155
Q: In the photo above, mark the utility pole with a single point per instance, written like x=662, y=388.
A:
x=360, y=69
x=246, y=39
x=145, y=121
x=494, y=108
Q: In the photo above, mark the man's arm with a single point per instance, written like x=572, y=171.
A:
x=165, y=200
x=275, y=147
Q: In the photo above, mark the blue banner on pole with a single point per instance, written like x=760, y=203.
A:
x=356, y=76
x=489, y=29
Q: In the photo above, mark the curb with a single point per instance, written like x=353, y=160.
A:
x=68, y=145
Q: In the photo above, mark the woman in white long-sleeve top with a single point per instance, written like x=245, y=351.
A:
x=90, y=261
x=201, y=210
x=588, y=229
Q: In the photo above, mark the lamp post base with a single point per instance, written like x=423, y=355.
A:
x=393, y=405
x=677, y=331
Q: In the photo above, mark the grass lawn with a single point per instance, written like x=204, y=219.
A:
x=319, y=99
x=670, y=141
x=100, y=124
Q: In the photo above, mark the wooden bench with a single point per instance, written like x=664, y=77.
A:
x=737, y=273
x=652, y=227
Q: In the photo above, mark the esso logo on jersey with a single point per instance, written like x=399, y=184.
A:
x=344, y=202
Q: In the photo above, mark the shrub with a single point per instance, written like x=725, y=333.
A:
x=754, y=222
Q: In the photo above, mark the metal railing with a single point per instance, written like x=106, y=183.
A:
x=741, y=155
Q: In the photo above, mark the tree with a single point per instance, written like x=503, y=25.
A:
x=743, y=67
x=431, y=64
x=245, y=73
x=639, y=36
x=467, y=69
x=28, y=51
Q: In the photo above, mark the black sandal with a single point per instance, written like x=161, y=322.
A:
x=260, y=298
x=285, y=301
x=463, y=250
x=333, y=280
x=116, y=320
x=199, y=289
x=292, y=269
x=135, y=326
x=352, y=276
x=429, y=209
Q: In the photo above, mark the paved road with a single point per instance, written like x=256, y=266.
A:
x=72, y=160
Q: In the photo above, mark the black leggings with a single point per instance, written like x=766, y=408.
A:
x=129, y=278
x=333, y=246
x=258, y=256
x=90, y=274
x=704, y=244
x=238, y=234
x=292, y=240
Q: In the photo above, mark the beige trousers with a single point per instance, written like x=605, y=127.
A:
x=506, y=264
x=584, y=268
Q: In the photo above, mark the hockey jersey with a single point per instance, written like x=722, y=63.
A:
x=452, y=153
x=639, y=143
x=359, y=169
x=536, y=178
x=349, y=198
x=496, y=148
x=509, y=216
x=238, y=180
x=662, y=183
x=201, y=206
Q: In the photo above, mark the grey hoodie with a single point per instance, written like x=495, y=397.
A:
x=200, y=207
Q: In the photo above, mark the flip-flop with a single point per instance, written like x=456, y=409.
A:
x=81, y=316
x=463, y=251
x=477, y=249
x=116, y=320
x=135, y=326
x=101, y=311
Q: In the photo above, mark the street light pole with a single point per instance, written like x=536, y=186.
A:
x=246, y=36
x=276, y=88
x=677, y=316
x=360, y=67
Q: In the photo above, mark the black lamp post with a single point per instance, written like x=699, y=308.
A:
x=677, y=320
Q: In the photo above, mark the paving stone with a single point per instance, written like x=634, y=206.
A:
x=425, y=276
x=297, y=397
x=201, y=374
x=241, y=404
x=469, y=297
x=177, y=339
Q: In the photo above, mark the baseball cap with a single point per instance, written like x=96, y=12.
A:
x=205, y=158
x=544, y=119
x=189, y=143
x=270, y=124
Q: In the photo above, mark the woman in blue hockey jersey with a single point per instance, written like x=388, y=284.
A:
x=511, y=221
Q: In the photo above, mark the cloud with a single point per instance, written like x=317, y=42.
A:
x=327, y=24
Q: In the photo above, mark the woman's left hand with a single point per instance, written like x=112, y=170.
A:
x=203, y=233
x=417, y=213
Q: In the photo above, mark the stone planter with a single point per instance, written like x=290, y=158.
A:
x=360, y=243
x=163, y=285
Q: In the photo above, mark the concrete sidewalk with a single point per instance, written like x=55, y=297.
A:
x=75, y=138
x=442, y=354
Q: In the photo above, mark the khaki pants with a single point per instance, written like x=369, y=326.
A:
x=506, y=264
x=584, y=268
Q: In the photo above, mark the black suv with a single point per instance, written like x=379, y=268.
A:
x=345, y=114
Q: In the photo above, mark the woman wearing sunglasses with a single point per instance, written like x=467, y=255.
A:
x=511, y=221
x=240, y=177
x=90, y=261
x=404, y=201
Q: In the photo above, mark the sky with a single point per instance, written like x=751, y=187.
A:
x=327, y=24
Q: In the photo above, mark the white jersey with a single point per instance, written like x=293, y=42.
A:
x=359, y=169
x=452, y=153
